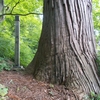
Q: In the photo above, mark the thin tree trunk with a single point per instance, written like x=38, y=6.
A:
x=66, y=52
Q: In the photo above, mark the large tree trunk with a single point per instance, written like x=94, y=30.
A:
x=66, y=52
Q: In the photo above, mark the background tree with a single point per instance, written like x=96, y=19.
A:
x=66, y=52
x=96, y=17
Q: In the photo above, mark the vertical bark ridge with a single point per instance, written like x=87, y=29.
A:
x=76, y=47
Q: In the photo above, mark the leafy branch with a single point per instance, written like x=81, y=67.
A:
x=21, y=14
x=15, y=6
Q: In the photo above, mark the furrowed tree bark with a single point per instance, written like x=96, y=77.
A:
x=66, y=52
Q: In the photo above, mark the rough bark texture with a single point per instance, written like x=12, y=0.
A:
x=66, y=52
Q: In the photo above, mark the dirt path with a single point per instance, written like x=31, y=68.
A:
x=24, y=87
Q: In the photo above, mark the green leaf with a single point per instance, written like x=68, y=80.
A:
x=92, y=94
x=3, y=90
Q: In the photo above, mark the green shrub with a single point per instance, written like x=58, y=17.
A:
x=7, y=51
x=6, y=47
x=5, y=64
x=93, y=96
x=98, y=63
x=26, y=54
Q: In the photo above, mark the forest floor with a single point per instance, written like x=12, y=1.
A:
x=23, y=87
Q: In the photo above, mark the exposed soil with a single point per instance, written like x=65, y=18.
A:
x=24, y=87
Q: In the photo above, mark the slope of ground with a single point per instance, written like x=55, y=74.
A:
x=24, y=87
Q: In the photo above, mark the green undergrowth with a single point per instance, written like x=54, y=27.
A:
x=7, y=50
x=5, y=64
x=92, y=96
x=98, y=64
